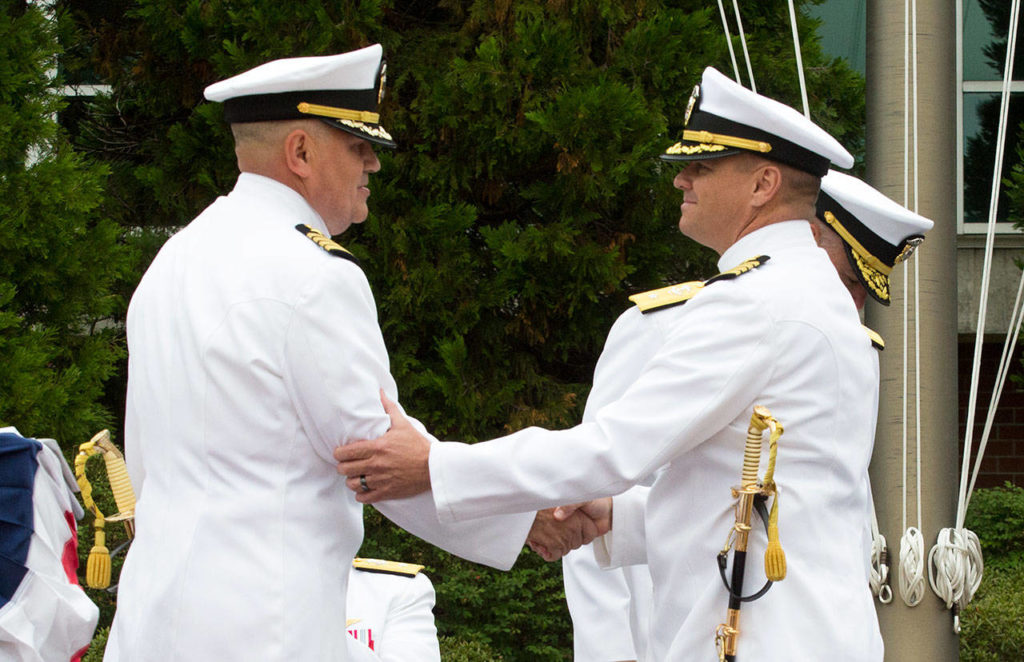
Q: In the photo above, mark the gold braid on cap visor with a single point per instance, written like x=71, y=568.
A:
x=338, y=113
x=863, y=255
x=729, y=141
x=875, y=280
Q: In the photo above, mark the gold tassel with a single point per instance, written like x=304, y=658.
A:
x=774, y=556
x=97, y=569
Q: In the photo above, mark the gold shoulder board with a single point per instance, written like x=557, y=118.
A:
x=665, y=297
x=876, y=339
x=744, y=267
x=326, y=243
x=386, y=567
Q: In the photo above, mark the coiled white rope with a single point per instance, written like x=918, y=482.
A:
x=728, y=40
x=955, y=566
x=912, y=586
x=878, y=578
x=955, y=562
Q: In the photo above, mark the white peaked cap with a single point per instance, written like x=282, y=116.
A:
x=877, y=232
x=725, y=118
x=343, y=90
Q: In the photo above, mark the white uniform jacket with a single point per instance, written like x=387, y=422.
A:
x=253, y=353
x=786, y=336
x=392, y=615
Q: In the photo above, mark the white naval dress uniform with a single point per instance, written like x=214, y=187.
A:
x=391, y=614
x=253, y=353
x=786, y=336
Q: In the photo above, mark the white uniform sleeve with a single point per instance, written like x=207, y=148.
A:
x=709, y=367
x=337, y=365
x=626, y=543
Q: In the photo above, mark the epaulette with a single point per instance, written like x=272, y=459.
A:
x=664, y=297
x=675, y=295
x=876, y=338
x=739, y=270
x=326, y=243
x=387, y=567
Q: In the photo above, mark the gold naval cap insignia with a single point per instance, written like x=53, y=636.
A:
x=690, y=105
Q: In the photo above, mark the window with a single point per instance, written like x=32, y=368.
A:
x=981, y=43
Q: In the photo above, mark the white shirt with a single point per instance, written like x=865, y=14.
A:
x=392, y=615
x=786, y=336
x=253, y=353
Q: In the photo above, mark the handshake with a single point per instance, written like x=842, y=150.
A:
x=558, y=531
x=396, y=466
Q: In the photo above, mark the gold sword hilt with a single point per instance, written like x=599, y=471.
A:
x=751, y=488
x=98, y=564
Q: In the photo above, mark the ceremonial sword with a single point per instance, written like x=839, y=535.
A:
x=751, y=495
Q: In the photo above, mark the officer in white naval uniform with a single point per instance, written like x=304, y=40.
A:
x=390, y=612
x=780, y=331
x=254, y=350
x=865, y=235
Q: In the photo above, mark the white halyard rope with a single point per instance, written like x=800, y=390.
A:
x=728, y=40
x=799, y=59
x=911, y=562
x=743, y=41
x=955, y=562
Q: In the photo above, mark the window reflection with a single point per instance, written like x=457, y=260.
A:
x=981, y=123
x=985, y=24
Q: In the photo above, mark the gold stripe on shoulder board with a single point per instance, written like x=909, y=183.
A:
x=387, y=567
x=326, y=243
x=664, y=297
x=876, y=338
x=740, y=269
x=674, y=295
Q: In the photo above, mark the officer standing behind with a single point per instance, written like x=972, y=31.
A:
x=776, y=328
x=390, y=612
x=254, y=351
x=865, y=234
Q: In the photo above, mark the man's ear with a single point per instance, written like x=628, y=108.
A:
x=767, y=184
x=298, y=152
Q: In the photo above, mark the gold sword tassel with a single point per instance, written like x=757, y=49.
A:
x=747, y=495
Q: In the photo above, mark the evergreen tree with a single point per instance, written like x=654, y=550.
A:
x=58, y=257
x=524, y=204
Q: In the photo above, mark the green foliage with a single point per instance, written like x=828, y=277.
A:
x=456, y=650
x=993, y=624
x=521, y=613
x=99, y=643
x=59, y=258
x=996, y=515
x=523, y=205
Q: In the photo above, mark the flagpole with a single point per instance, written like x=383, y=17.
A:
x=923, y=632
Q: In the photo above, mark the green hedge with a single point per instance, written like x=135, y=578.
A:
x=992, y=626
